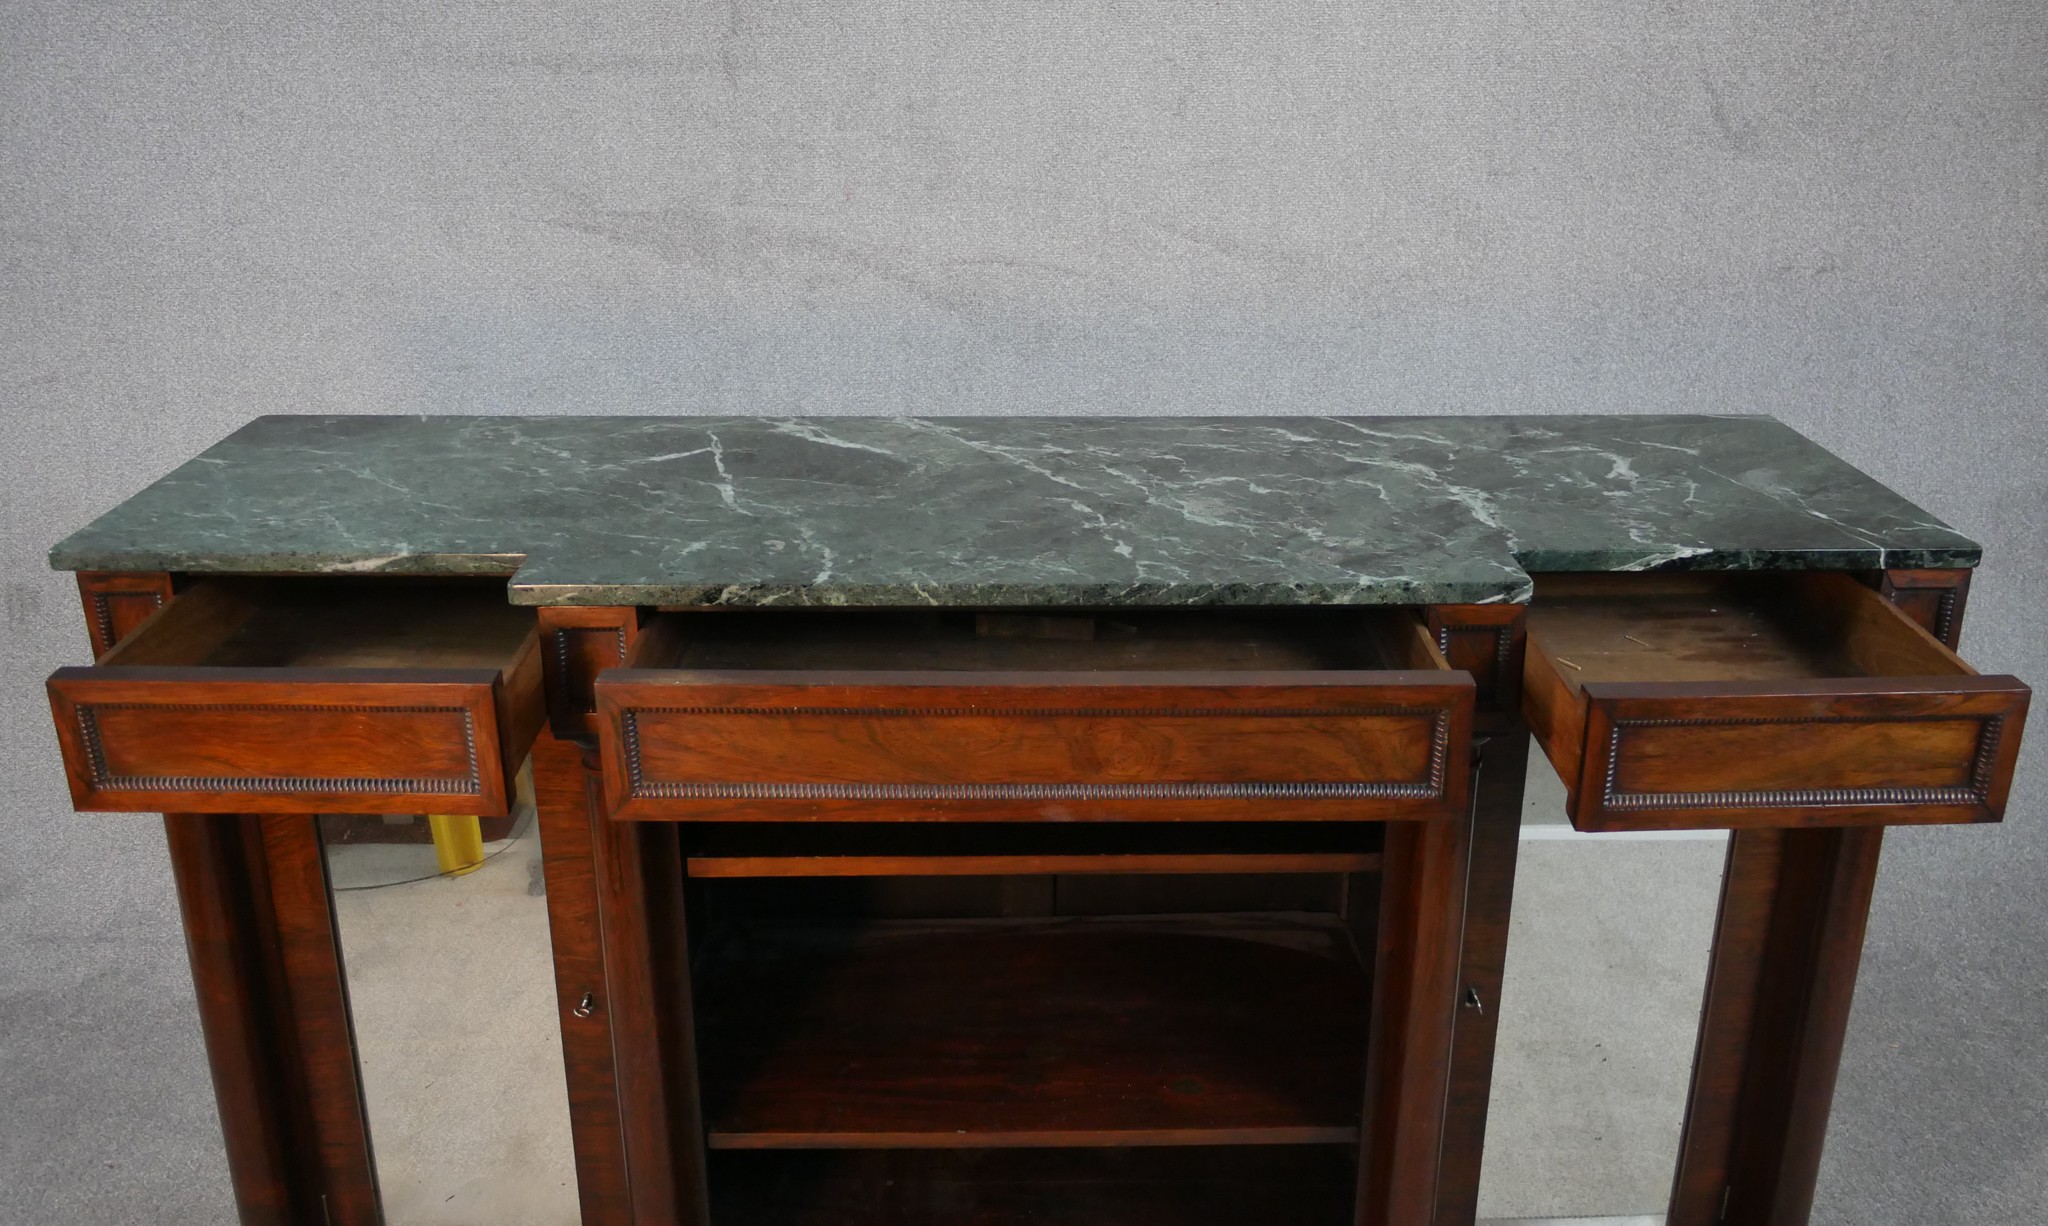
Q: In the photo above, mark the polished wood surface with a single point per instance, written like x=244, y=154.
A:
x=1500, y=771
x=1032, y=865
x=962, y=1069
x=1934, y=599
x=645, y=937
x=569, y=834
x=296, y=698
x=576, y=645
x=1033, y=747
x=1786, y=945
x=1487, y=641
x=1416, y=981
x=116, y=602
x=1265, y=1185
x=273, y=1007
x=966, y=849
x=1180, y=1030
x=1700, y=701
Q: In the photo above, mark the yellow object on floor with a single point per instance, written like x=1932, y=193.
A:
x=458, y=843
x=459, y=840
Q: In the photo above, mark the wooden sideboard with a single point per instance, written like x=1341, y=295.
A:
x=962, y=897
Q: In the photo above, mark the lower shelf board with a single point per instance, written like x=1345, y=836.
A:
x=1117, y=1031
x=1309, y=1185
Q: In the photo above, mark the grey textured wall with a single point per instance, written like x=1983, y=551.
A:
x=1833, y=212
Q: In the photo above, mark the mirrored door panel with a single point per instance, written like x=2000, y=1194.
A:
x=1606, y=969
x=444, y=934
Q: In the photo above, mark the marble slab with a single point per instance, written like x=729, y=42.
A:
x=1012, y=511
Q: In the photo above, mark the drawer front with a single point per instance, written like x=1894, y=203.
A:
x=1034, y=747
x=1844, y=752
x=215, y=740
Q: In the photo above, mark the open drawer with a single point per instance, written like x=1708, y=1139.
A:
x=1792, y=699
x=824, y=716
x=316, y=695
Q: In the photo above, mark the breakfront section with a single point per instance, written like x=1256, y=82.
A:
x=954, y=823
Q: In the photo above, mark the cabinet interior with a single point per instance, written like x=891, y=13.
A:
x=1027, y=1022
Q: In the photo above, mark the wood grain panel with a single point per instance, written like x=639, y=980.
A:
x=1500, y=772
x=1794, y=904
x=1820, y=753
x=568, y=831
x=639, y=874
x=273, y=1007
x=1033, y=746
x=1749, y=701
x=175, y=740
x=1415, y=990
x=286, y=696
x=320, y=1034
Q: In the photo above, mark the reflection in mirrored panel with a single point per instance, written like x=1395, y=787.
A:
x=444, y=933
x=1606, y=969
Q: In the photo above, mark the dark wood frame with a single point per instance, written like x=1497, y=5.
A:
x=257, y=909
x=1787, y=941
x=273, y=1005
x=1421, y=1145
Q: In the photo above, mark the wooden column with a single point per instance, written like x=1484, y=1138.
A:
x=1415, y=990
x=639, y=874
x=569, y=833
x=1787, y=942
x=273, y=1005
x=1786, y=946
x=1502, y=767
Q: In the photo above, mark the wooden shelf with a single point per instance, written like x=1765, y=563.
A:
x=1118, y=1031
x=970, y=849
x=1255, y=1186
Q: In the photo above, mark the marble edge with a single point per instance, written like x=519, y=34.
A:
x=1965, y=554
x=898, y=595
x=1513, y=588
x=65, y=557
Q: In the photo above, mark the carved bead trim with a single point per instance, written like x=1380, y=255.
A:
x=561, y=634
x=1503, y=644
x=1982, y=765
x=1945, y=616
x=640, y=786
x=102, y=780
x=103, y=614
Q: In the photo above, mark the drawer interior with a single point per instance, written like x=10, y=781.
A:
x=324, y=623
x=348, y=695
x=1730, y=700
x=996, y=641
x=1738, y=627
x=1317, y=715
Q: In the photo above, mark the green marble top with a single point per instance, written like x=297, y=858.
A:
x=1011, y=511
